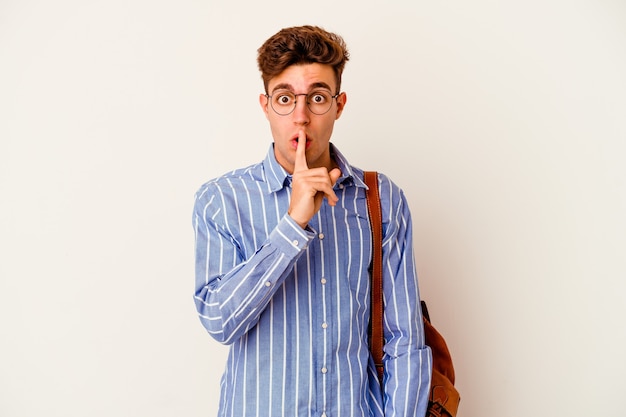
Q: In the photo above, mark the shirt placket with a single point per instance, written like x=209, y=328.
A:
x=323, y=316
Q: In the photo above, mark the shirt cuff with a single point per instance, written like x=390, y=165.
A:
x=290, y=238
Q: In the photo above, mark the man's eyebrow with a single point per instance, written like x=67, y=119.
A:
x=282, y=86
x=285, y=86
x=320, y=85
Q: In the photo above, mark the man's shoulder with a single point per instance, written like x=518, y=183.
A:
x=229, y=180
x=386, y=184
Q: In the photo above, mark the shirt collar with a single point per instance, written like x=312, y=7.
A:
x=277, y=177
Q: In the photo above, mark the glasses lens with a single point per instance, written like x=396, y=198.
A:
x=319, y=101
x=284, y=102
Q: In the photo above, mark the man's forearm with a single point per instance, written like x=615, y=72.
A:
x=230, y=303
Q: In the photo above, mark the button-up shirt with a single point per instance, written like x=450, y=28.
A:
x=294, y=304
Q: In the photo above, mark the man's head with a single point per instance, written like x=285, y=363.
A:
x=301, y=70
x=302, y=45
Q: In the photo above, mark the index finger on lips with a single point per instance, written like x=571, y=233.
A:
x=300, y=162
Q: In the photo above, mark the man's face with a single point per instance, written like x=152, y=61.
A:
x=303, y=79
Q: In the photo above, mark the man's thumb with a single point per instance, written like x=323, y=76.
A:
x=335, y=173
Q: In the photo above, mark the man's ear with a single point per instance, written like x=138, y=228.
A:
x=264, y=102
x=342, y=98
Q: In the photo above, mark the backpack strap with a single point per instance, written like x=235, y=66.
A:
x=377, y=338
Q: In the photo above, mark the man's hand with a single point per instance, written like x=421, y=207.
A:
x=310, y=186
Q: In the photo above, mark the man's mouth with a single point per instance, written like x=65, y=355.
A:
x=296, y=139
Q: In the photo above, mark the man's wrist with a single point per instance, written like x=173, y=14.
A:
x=301, y=224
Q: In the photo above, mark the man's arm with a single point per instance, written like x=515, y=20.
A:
x=232, y=292
x=408, y=362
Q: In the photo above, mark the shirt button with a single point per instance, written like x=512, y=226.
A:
x=323, y=281
x=324, y=370
x=324, y=325
x=295, y=243
x=268, y=284
x=321, y=236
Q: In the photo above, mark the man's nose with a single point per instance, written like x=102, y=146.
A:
x=301, y=113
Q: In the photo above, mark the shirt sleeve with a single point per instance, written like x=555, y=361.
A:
x=231, y=292
x=407, y=360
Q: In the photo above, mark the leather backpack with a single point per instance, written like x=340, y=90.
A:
x=444, y=398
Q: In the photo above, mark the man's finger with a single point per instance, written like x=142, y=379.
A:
x=334, y=174
x=300, y=162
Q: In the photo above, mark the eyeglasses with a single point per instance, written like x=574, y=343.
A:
x=318, y=101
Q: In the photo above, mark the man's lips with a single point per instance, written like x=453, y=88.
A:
x=296, y=139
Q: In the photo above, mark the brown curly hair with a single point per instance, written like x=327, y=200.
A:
x=302, y=45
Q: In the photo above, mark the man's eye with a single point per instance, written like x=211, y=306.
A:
x=318, y=98
x=284, y=99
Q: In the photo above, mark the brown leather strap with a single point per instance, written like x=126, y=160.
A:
x=377, y=339
x=444, y=397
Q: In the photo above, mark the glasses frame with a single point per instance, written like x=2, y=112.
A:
x=295, y=103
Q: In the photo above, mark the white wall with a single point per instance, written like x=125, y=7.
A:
x=503, y=121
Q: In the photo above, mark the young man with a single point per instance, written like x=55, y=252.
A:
x=282, y=255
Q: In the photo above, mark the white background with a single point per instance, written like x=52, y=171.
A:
x=504, y=122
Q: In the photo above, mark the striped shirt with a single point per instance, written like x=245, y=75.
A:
x=294, y=304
